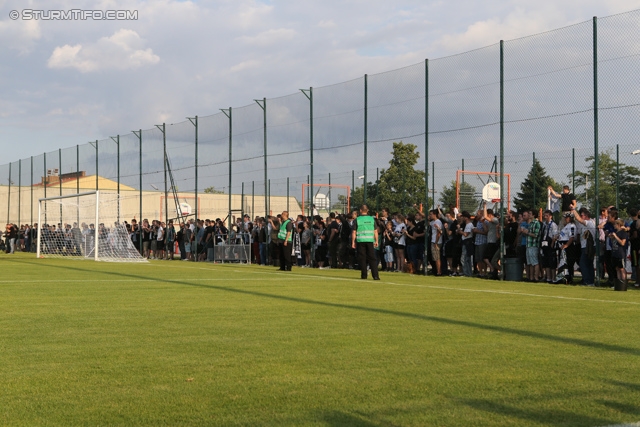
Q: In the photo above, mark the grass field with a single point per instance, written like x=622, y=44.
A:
x=175, y=343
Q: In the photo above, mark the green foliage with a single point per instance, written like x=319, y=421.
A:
x=401, y=186
x=629, y=194
x=537, y=179
x=468, y=199
x=212, y=190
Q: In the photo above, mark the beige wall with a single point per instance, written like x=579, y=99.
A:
x=210, y=206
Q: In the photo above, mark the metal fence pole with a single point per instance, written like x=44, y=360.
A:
x=97, y=185
x=44, y=185
x=364, y=193
x=573, y=170
x=264, y=142
x=595, y=143
x=433, y=185
x=229, y=114
x=19, y=189
x=194, y=122
x=502, y=210
x=535, y=175
x=60, y=180
x=139, y=135
x=287, y=194
x=31, y=218
x=9, y=197
x=309, y=94
x=426, y=160
x=617, y=176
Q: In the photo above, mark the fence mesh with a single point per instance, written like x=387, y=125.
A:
x=350, y=130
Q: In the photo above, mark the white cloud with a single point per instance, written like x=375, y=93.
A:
x=326, y=24
x=245, y=65
x=270, y=37
x=123, y=50
x=20, y=35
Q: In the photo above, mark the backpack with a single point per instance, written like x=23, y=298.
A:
x=591, y=248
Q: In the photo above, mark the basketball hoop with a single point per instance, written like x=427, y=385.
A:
x=495, y=200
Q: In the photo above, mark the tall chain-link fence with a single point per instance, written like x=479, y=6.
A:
x=555, y=105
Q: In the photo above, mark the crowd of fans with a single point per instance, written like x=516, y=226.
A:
x=549, y=249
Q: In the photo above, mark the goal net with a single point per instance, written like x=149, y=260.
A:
x=470, y=186
x=84, y=226
x=325, y=198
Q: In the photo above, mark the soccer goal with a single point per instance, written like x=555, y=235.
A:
x=84, y=226
x=325, y=198
x=472, y=188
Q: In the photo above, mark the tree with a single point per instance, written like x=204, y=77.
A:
x=400, y=186
x=629, y=190
x=468, y=199
x=212, y=190
x=525, y=198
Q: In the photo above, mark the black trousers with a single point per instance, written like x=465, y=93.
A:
x=367, y=256
x=285, y=255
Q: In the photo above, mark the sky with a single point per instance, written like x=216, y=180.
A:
x=67, y=82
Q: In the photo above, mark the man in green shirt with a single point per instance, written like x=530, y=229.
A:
x=364, y=238
x=284, y=242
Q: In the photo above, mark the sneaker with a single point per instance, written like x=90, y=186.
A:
x=636, y=285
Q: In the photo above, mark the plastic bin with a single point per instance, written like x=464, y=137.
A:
x=513, y=268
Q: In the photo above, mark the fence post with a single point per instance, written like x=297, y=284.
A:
x=595, y=142
x=309, y=94
x=426, y=159
x=31, y=218
x=19, y=189
x=44, y=185
x=9, y=197
x=253, y=198
x=97, y=184
x=573, y=171
x=433, y=185
x=377, y=189
x=139, y=135
x=617, y=176
x=535, y=175
x=60, y=180
x=502, y=210
x=229, y=113
x=364, y=194
x=77, y=180
x=264, y=142
x=194, y=122
x=242, y=201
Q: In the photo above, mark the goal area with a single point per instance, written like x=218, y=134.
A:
x=326, y=198
x=84, y=226
x=470, y=186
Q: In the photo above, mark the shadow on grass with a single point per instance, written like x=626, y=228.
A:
x=344, y=419
x=491, y=328
x=553, y=417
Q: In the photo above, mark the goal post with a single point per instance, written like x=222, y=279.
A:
x=84, y=226
x=470, y=186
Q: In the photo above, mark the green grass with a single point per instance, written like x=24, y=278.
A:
x=175, y=343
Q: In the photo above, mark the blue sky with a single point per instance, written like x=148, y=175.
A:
x=64, y=83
